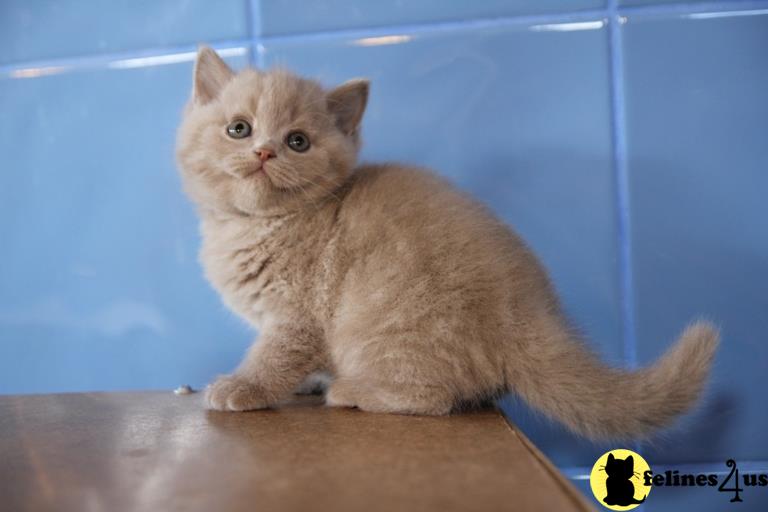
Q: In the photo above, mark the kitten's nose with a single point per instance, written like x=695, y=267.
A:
x=264, y=154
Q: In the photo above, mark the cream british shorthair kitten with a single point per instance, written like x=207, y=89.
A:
x=414, y=297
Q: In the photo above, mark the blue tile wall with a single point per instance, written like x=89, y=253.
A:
x=625, y=139
x=100, y=282
x=697, y=121
x=45, y=29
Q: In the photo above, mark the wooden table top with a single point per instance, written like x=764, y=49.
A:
x=161, y=452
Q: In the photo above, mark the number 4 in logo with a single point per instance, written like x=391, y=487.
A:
x=733, y=474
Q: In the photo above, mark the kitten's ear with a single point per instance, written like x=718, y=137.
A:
x=211, y=75
x=347, y=104
x=630, y=459
x=611, y=458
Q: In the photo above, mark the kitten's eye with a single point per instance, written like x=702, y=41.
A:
x=297, y=141
x=238, y=129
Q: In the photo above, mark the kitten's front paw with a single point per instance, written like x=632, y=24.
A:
x=233, y=393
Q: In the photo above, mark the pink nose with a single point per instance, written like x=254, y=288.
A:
x=265, y=154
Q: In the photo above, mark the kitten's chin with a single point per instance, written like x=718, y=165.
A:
x=258, y=196
x=252, y=174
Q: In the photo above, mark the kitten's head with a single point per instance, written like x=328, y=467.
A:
x=620, y=468
x=266, y=142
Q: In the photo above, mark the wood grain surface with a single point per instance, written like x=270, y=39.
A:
x=161, y=452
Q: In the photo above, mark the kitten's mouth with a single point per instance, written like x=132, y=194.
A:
x=253, y=170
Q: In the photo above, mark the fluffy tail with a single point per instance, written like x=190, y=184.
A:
x=559, y=376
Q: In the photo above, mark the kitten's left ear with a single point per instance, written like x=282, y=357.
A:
x=347, y=104
x=211, y=75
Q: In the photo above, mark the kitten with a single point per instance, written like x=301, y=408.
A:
x=619, y=486
x=413, y=296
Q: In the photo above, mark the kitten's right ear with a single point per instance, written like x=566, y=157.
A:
x=347, y=104
x=211, y=75
x=611, y=458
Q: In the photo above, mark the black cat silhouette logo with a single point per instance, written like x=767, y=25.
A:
x=616, y=480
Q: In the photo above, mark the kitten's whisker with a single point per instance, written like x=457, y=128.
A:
x=292, y=181
x=309, y=198
x=280, y=179
x=321, y=187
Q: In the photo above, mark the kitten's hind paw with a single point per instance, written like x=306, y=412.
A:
x=341, y=393
x=353, y=393
x=234, y=393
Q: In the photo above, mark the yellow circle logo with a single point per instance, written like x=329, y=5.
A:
x=617, y=480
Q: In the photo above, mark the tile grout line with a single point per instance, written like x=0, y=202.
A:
x=255, y=46
x=253, y=21
x=256, y=41
x=105, y=60
x=440, y=26
x=256, y=56
x=621, y=179
x=621, y=184
x=682, y=8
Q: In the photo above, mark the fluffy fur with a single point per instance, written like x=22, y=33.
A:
x=414, y=297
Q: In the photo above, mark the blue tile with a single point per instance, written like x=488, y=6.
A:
x=527, y=131
x=697, y=114
x=46, y=29
x=101, y=288
x=283, y=16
